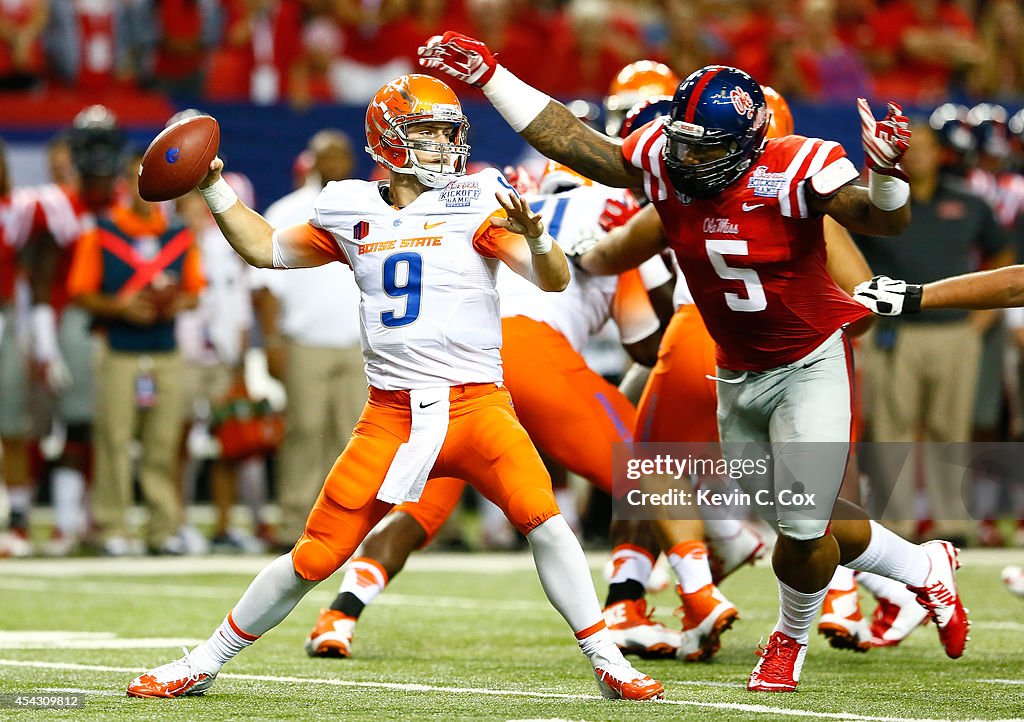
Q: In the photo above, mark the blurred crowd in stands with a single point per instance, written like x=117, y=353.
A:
x=307, y=51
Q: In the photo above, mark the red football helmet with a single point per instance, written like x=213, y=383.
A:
x=636, y=82
x=781, y=121
x=413, y=99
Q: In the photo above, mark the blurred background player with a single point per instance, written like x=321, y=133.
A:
x=433, y=362
x=309, y=321
x=135, y=272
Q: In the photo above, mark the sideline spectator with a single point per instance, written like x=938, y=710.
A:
x=22, y=61
x=135, y=274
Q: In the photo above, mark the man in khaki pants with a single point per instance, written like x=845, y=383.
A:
x=921, y=371
x=310, y=323
x=134, y=273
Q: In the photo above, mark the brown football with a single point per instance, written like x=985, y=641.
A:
x=179, y=158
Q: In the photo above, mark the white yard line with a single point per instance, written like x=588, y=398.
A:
x=399, y=687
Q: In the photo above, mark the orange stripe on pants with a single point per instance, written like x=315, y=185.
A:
x=679, y=402
x=485, y=443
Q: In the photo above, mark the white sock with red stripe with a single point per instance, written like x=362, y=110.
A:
x=227, y=641
x=797, y=611
x=885, y=588
x=892, y=556
x=689, y=560
x=365, y=578
x=631, y=563
x=271, y=596
x=842, y=580
x=566, y=579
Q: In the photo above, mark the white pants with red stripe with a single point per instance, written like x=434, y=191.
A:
x=788, y=431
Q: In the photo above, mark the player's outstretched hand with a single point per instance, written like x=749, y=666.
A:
x=520, y=218
x=885, y=141
x=459, y=56
x=216, y=166
x=889, y=297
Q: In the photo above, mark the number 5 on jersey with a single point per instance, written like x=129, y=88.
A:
x=718, y=249
x=402, y=278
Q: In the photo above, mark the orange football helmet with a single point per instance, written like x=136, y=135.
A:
x=781, y=121
x=558, y=177
x=413, y=99
x=636, y=82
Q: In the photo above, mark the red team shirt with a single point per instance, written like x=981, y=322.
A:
x=754, y=255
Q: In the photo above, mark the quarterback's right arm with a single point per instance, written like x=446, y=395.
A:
x=544, y=123
x=255, y=240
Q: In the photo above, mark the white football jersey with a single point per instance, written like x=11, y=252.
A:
x=428, y=305
x=584, y=307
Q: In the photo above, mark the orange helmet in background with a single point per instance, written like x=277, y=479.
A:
x=412, y=99
x=636, y=82
x=781, y=121
x=558, y=177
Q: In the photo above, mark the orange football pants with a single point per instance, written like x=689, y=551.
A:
x=569, y=411
x=679, y=402
x=485, y=444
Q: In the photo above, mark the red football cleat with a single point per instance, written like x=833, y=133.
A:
x=939, y=596
x=778, y=669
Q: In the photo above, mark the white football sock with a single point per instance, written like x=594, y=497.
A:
x=797, y=611
x=566, y=579
x=842, y=580
x=722, y=530
x=225, y=642
x=68, y=486
x=893, y=556
x=885, y=588
x=599, y=647
x=364, y=578
x=270, y=597
x=631, y=563
x=689, y=560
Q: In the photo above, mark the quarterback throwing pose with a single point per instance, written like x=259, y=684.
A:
x=424, y=247
x=744, y=217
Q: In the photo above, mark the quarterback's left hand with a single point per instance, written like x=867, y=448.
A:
x=520, y=218
x=885, y=141
x=460, y=56
x=889, y=297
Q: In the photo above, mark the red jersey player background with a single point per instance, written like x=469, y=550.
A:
x=744, y=218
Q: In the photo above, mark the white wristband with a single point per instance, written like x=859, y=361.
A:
x=541, y=245
x=219, y=197
x=886, y=192
x=517, y=102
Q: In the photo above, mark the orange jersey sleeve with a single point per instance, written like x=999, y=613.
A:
x=304, y=246
x=192, y=278
x=86, y=273
x=509, y=248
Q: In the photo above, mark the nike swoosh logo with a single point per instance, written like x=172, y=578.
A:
x=428, y=226
x=423, y=405
x=750, y=207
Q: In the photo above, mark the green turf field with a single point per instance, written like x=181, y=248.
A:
x=463, y=637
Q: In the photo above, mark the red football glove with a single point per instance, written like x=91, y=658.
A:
x=617, y=212
x=460, y=56
x=521, y=180
x=885, y=141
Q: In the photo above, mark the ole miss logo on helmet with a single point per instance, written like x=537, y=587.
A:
x=742, y=101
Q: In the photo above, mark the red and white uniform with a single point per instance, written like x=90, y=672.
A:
x=1003, y=191
x=17, y=212
x=743, y=249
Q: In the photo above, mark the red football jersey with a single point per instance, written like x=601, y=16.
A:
x=17, y=212
x=754, y=255
x=65, y=215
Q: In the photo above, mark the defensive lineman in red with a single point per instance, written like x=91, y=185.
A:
x=745, y=220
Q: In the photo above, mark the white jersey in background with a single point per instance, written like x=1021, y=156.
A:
x=428, y=305
x=319, y=306
x=583, y=308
